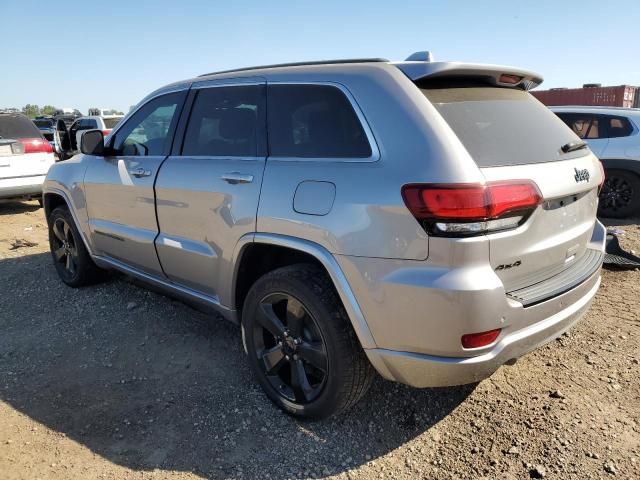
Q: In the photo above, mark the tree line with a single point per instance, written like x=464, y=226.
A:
x=32, y=111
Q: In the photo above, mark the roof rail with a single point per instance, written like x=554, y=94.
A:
x=299, y=64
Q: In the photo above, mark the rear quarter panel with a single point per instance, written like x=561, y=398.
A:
x=368, y=217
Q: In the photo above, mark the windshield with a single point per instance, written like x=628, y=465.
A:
x=43, y=123
x=111, y=122
x=17, y=126
x=503, y=126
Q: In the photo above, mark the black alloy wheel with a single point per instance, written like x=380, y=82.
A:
x=63, y=248
x=620, y=194
x=70, y=257
x=290, y=348
x=301, y=345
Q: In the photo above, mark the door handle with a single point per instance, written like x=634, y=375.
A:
x=234, y=178
x=140, y=172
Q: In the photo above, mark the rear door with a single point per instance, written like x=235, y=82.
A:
x=119, y=186
x=512, y=136
x=207, y=191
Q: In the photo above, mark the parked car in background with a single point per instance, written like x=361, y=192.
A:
x=25, y=157
x=613, y=134
x=81, y=125
x=46, y=125
x=68, y=137
x=428, y=220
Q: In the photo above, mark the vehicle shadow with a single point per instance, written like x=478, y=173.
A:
x=149, y=383
x=14, y=207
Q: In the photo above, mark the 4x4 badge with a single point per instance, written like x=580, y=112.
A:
x=582, y=175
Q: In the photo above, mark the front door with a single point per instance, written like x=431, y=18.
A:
x=119, y=186
x=207, y=191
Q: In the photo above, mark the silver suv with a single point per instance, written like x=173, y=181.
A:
x=613, y=134
x=430, y=221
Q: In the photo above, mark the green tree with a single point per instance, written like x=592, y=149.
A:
x=48, y=110
x=31, y=111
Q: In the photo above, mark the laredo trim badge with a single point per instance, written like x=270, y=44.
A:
x=581, y=175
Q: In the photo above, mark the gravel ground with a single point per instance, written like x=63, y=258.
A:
x=117, y=382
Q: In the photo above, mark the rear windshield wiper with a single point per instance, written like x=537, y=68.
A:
x=573, y=146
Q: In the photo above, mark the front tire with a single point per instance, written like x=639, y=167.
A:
x=70, y=257
x=620, y=194
x=301, y=345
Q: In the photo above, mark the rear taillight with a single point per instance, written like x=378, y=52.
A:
x=106, y=132
x=471, y=209
x=482, y=339
x=31, y=145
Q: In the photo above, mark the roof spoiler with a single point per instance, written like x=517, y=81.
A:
x=498, y=75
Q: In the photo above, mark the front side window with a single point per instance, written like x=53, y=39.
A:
x=313, y=121
x=147, y=132
x=225, y=121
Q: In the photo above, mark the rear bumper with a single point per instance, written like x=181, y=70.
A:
x=21, y=187
x=419, y=370
x=418, y=311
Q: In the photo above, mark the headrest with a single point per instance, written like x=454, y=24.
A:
x=237, y=124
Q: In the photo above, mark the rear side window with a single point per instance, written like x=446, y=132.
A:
x=502, y=126
x=225, y=121
x=592, y=126
x=18, y=126
x=313, y=121
x=619, y=127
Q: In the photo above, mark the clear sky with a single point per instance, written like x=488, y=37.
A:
x=112, y=53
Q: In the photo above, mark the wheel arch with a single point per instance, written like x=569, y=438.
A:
x=53, y=199
x=628, y=165
x=266, y=252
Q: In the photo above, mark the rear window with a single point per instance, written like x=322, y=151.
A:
x=503, y=126
x=43, y=123
x=313, y=121
x=111, y=122
x=17, y=126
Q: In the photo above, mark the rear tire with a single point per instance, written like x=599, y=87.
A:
x=620, y=194
x=70, y=257
x=301, y=345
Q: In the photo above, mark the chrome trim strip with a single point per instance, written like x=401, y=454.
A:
x=40, y=176
x=228, y=82
x=375, y=150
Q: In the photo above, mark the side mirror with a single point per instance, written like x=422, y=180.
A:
x=92, y=143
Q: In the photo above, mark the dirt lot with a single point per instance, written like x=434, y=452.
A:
x=117, y=382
